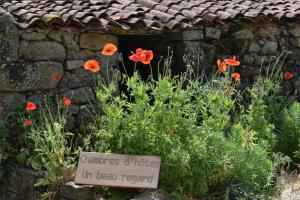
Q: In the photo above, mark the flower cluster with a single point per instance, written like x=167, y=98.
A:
x=223, y=66
x=30, y=106
x=109, y=49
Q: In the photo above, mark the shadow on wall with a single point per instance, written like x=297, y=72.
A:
x=158, y=44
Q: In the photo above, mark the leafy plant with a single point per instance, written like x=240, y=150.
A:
x=203, y=134
x=288, y=131
x=46, y=148
x=4, y=145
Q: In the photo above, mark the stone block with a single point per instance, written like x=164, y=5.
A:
x=81, y=78
x=295, y=31
x=74, y=64
x=296, y=41
x=33, y=36
x=267, y=32
x=7, y=22
x=81, y=54
x=196, y=34
x=248, y=59
x=55, y=35
x=21, y=181
x=213, y=33
x=8, y=101
x=243, y=34
x=78, y=192
x=69, y=41
x=269, y=48
x=81, y=95
x=96, y=41
x=39, y=50
x=9, y=45
x=29, y=76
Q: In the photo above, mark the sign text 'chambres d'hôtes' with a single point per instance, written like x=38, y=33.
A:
x=118, y=170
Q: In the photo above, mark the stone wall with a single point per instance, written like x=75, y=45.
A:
x=31, y=59
x=258, y=47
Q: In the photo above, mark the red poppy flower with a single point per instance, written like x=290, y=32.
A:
x=57, y=77
x=92, y=65
x=236, y=76
x=146, y=56
x=27, y=122
x=221, y=66
x=30, y=106
x=288, y=75
x=66, y=101
x=109, y=49
x=232, y=61
x=136, y=57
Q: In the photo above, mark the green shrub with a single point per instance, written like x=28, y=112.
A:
x=203, y=135
x=288, y=131
x=46, y=148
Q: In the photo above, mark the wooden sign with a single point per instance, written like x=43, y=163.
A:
x=118, y=170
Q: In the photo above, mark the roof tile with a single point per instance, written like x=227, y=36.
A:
x=152, y=14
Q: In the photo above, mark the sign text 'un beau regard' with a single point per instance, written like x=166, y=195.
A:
x=118, y=170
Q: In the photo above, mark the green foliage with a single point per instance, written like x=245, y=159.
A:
x=4, y=145
x=46, y=148
x=288, y=131
x=203, y=135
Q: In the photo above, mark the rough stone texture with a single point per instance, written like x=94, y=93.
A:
x=29, y=76
x=269, y=48
x=81, y=95
x=254, y=47
x=295, y=31
x=78, y=192
x=20, y=184
x=33, y=36
x=196, y=34
x=55, y=35
x=243, y=34
x=8, y=101
x=7, y=22
x=95, y=41
x=153, y=195
x=74, y=64
x=9, y=45
x=69, y=41
x=38, y=50
x=83, y=54
x=213, y=33
x=268, y=32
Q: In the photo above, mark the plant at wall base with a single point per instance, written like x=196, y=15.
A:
x=46, y=148
x=4, y=145
x=195, y=127
x=288, y=131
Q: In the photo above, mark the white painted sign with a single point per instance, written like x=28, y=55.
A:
x=118, y=170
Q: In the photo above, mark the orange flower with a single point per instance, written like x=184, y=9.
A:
x=30, y=106
x=232, y=61
x=136, y=57
x=222, y=66
x=236, y=76
x=66, y=101
x=92, y=65
x=57, y=77
x=109, y=49
x=146, y=56
x=27, y=122
x=288, y=75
